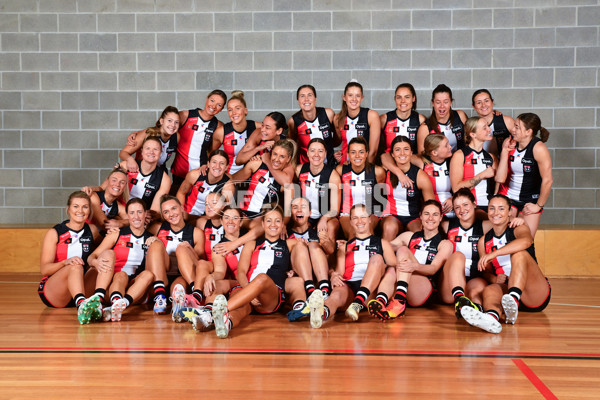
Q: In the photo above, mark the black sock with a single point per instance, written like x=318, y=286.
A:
x=114, y=296
x=208, y=306
x=198, y=295
x=515, y=292
x=325, y=286
x=192, y=286
x=401, y=289
x=457, y=292
x=362, y=295
x=159, y=289
x=383, y=298
x=100, y=293
x=309, y=287
x=326, y=312
x=79, y=298
x=128, y=300
x=299, y=305
x=493, y=314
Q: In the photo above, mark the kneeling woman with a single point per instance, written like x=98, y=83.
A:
x=361, y=263
x=125, y=252
x=263, y=275
x=516, y=282
x=66, y=277
x=420, y=256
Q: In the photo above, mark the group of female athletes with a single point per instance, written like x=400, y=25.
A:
x=323, y=212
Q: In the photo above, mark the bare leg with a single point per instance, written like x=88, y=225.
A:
x=186, y=261
x=474, y=289
x=391, y=227
x=139, y=287
x=61, y=287
x=453, y=275
x=261, y=288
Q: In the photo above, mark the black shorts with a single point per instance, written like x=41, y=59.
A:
x=251, y=214
x=541, y=307
x=518, y=205
x=483, y=208
x=353, y=285
x=405, y=220
x=42, y=287
x=280, y=303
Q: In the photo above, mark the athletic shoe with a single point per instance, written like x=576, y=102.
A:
x=178, y=300
x=297, y=315
x=463, y=301
x=220, y=316
x=325, y=294
x=160, y=304
x=187, y=313
x=377, y=309
x=481, y=320
x=353, y=310
x=203, y=321
x=97, y=312
x=191, y=301
x=88, y=309
x=511, y=308
x=117, y=310
x=395, y=309
x=106, y=314
x=316, y=308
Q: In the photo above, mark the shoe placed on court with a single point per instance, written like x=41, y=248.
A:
x=325, y=295
x=316, y=308
x=89, y=309
x=178, y=300
x=297, y=315
x=187, y=313
x=463, y=301
x=220, y=316
x=191, y=301
x=511, y=308
x=377, y=309
x=160, y=304
x=203, y=321
x=106, y=314
x=353, y=310
x=481, y=320
x=395, y=309
x=116, y=310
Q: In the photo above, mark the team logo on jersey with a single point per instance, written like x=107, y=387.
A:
x=346, y=127
x=201, y=189
x=396, y=129
x=410, y=192
x=356, y=248
x=457, y=239
x=169, y=238
x=352, y=182
x=308, y=131
x=85, y=247
x=430, y=257
x=236, y=251
x=134, y=181
x=526, y=168
x=212, y=237
x=436, y=173
x=195, y=127
x=474, y=161
x=262, y=179
x=279, y=254
x=147, y=193
x=324, y=130
x=129, y=245
x=69, y=241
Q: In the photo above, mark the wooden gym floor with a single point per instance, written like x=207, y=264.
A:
x=46, y=354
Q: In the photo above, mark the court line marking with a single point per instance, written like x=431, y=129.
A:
x=535, y=380
x=342, y=352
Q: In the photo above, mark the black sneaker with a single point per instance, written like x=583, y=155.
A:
x=464, y=301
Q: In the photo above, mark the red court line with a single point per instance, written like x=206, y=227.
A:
x=533, y=378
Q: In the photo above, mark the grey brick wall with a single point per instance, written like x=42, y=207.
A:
x=76, y=76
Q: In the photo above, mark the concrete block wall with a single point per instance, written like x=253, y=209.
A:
x=76, y=76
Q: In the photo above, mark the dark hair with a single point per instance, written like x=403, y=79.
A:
x=397, y=139
x=228, y=207
x=79, y=194
x=152, y=138
x=167, y=197
x=464, y=192
x=279, y=118
x=341, y=117
x=362, y=141
x=275, y=207
x=238, y=95
x=218, y=92
x=219, y=152
x=502, y=196
x=478, y=92
x=431, y=202
x=412, y=90
x=155, y=130
x=533, y=122
x=311, y=87
x=432, y=122
x=317, y=140
x=135, y=200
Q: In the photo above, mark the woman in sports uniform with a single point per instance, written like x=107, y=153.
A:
x=473, y=167
x=198, y=184
x=313, y=122
x=403, y=202
x=320, y=184
x=500, y=125
x=361, y=263
x=262, y=140
x=200, y=133
x=263, y=276
x=165, y=128
x=443, y=119
x=124, y=251
x=107, y=210
x=525, y=170
x=435, y=161
x=67, y=280
x=238, y=130
x=420, y=255
x=359, y=180
x=507, y=259
x=355, y=121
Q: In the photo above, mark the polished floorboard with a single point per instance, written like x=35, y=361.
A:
x=429, y=354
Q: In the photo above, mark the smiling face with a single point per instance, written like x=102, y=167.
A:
x=237, y=111
x=268, y=130
x=521, y=132
x=151, y=151
x=353, y=98
x=465, y=210
x=360, y=221
x=316, y=154
x=357, y=154
x=404, y=100
x=483, y=104
x=172, y=212
x=442, y=103
x=300, y=210
x=79, y=210
x=401, y=152
x=136, y=215
x=273, y=225
x=498, y=211
x=280, y=158
x=169, y=124
x=214, y=204
x=217, y=166
x=431, y=216
x=482, y=132
x=307, y=99
x=232, y=221
x=117, y=181
x=214, y=104
x=444, y=150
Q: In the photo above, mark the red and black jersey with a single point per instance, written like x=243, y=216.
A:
x=195, y=201
x=315, y=188
x=73, y=243
x=403, y=201
x=453, y=129
x=143, y=186
x=321, y=127
x=423, y=249
x=357, y=188
x=502, y=264
x=310, y=235
x=110, y=210
x=358, y=253
x=524, y=181
x=130, y=251
x=232, y=259
x=395, y=126
x=171, y=239
x=196, y=136
x=271, y=258
x=475, y=163
x=354, y=127
x=439, y=175
x=233, y=141
x=465, y=240
x=263, y=189
x=212, y=235
x=500, y=132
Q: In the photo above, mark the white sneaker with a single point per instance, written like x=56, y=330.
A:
x=511, y=308
x=106, y=314
x=178, y=302
x=116, y=310
x=220, y=316
x=160, y=305
x=481, y=320
x=353, y=310
x=316, y=304
x=203, y=321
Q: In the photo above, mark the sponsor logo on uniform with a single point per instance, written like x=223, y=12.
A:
x=361, y=126
x=487, y=161
x=474, y=239
x=527, y=161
